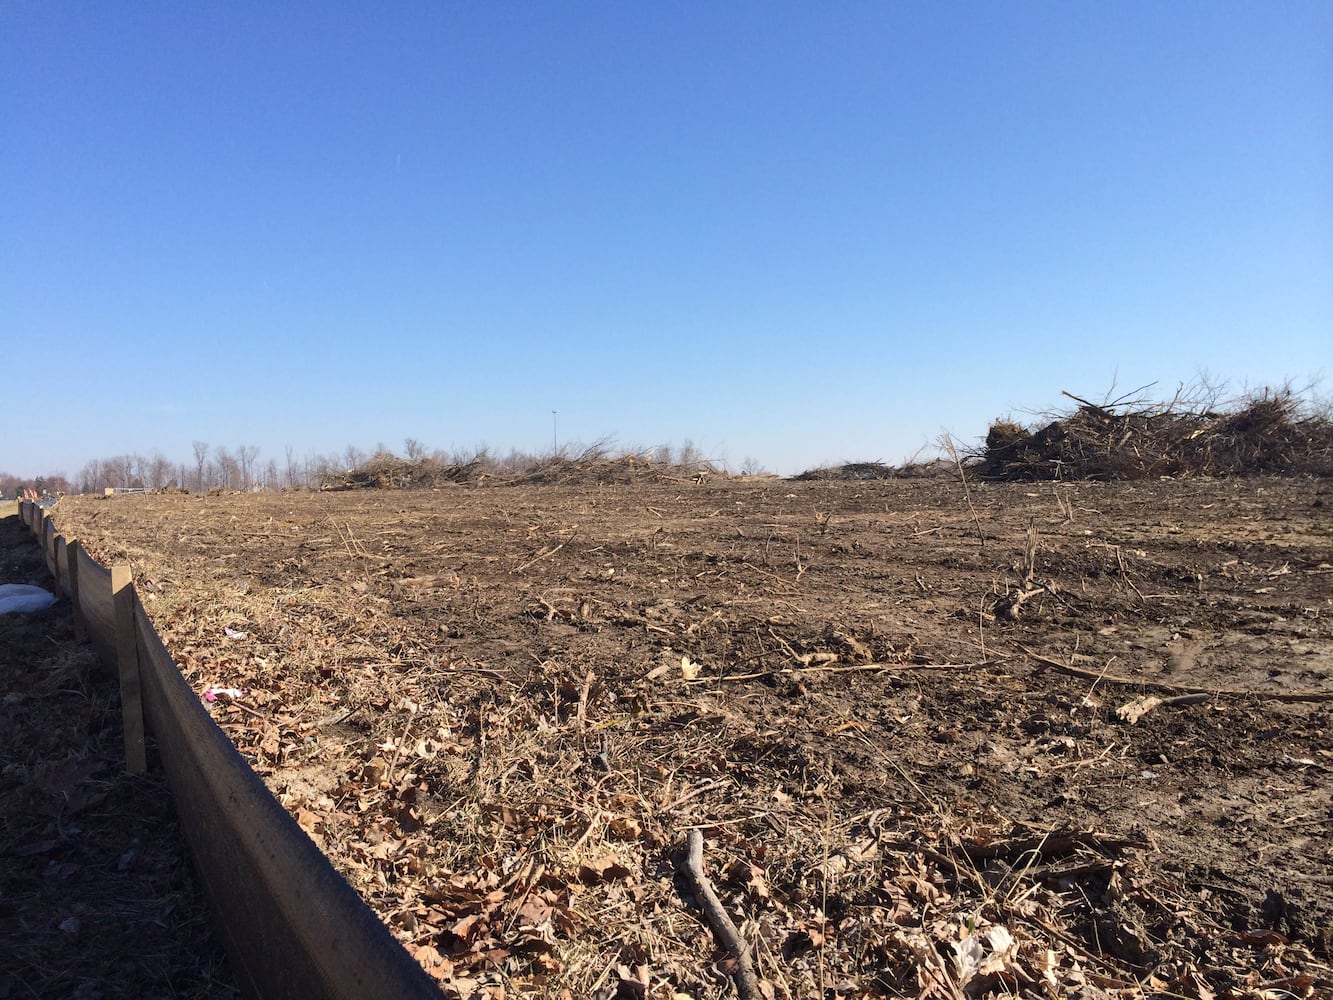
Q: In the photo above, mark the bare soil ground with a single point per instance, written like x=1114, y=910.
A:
x=921, y=762
x=97, y=898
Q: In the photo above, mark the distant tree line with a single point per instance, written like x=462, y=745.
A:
x=213, y=467
x=242, y=468
x=221, y=467
x=54, y=482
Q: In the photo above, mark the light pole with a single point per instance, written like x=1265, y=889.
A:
x=555, y=434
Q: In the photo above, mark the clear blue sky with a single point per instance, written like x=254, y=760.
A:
x=802, y=232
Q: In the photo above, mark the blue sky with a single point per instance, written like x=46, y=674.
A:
x=797, y=232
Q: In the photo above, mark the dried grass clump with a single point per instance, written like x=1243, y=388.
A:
x=1271, y=432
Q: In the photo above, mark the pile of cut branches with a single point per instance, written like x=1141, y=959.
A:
x=611, y=469
x=865, y=471
x=1272, y=432
x=595, y=464
x=389, y=472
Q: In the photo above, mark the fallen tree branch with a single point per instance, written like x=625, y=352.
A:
x=845, y=668
x=1102, y=412
x=1133, y=711
x=690, y=863
x=1141, y=682
x=546, y=554
x=1049, y=845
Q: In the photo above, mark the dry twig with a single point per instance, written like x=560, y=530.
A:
x=545, y=554
x=1067, y=668
x=967, y=493
x=690, y=864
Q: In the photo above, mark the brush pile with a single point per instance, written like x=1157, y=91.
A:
x=389, y=472
x=868, y=471
x=609, y=469
x=848, y=471
x=1269, y=433
x=594, y=465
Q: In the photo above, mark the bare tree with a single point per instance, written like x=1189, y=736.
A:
x=119, y=470
x=200, y=457
x=292, y=468
x=158, y=470
x=246, y=455
x=690, y=455
x=414, y=448
x=229, y=469
x=92, y=477
x=138, y=471
x=320, y=468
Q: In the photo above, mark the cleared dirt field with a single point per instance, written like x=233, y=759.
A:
x=920, y=759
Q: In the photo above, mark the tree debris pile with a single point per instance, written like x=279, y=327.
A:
x=593, y=465
x=868, y=471
x=601, y=469
x=1271, y=433
x=850, y=471
x=389, y=472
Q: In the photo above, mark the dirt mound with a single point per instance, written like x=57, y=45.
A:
x=1273, y=433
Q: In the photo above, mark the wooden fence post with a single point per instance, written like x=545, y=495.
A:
x=49, y=547
x=127, y=658
x=61, y=546
x=72, y=568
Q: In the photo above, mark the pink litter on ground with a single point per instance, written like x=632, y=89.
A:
x=213, y=693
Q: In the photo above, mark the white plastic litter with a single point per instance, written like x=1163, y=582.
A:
x=20, y=599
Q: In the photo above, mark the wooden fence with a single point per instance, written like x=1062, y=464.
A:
x=293, y=927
